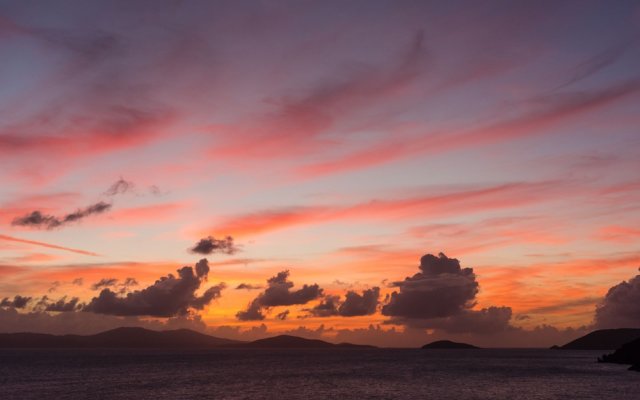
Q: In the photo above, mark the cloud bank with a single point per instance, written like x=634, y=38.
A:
x=169, y=296
x=278, y=293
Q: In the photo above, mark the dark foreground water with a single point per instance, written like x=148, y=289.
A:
x=312, y=374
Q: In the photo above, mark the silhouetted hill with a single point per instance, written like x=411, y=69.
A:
x=628, y=353
x=604, y=339
x=447, y=344
x=295, y=342
x=119, y=337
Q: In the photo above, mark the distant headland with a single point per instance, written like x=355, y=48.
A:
x=603, y=339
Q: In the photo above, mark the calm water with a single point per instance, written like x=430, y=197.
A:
x=312, y=374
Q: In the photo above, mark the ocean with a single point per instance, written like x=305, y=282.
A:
x=312, y=374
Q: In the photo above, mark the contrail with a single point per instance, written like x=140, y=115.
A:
x=51, y=246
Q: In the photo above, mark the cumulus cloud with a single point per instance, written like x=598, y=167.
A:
x=279, y=293
x=60, y=305
x=252, y=313
x=441, y=289
x=169, y=296
x=441, y=296
x=17, y=302
x=37, y=219
x=360, y=304
x=620, y=307
x=211, y=245
x=326, y=308
x=354, y=304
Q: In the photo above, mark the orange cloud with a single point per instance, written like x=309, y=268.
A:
x=467, y=201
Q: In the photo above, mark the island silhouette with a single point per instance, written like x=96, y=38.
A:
x=145, y=338
x=603, y=339
x=628, y=353
x=447, y=344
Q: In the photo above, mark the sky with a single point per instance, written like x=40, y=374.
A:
x=383, y=172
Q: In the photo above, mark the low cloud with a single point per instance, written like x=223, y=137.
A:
x=620, y=307
x=17, y=302
x=169, y=296
x=354, y=305
x=249, y=286
x=441, y=296
x=279, y=293
x=37, y=219
x=210, y=245
x=60, y=305
x=485, y=321
x=441, y=289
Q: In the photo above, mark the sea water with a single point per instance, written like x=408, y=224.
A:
x=312, y=374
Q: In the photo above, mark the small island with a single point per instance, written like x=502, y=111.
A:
x=628, y=353
x=447, y=344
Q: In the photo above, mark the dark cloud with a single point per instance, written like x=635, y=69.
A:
x=620, y=307
x=77, y=282
x=61, y=305
x=360, y=304
x=249, y=286
x=211, y=245
x=252, y=313
x=104, y=283
x=354, y=304
x=485, y=321
x=169, y=296
x=441, y=296
x=441, y=289
x=283, y=315
x=17, y=302
x=328, y=307
x=120, y=186
x=38, y=220
x=279, y=293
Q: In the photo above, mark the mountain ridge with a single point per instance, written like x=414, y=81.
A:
x=135, y=337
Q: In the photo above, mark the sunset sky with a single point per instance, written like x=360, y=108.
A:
x=338, y=140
